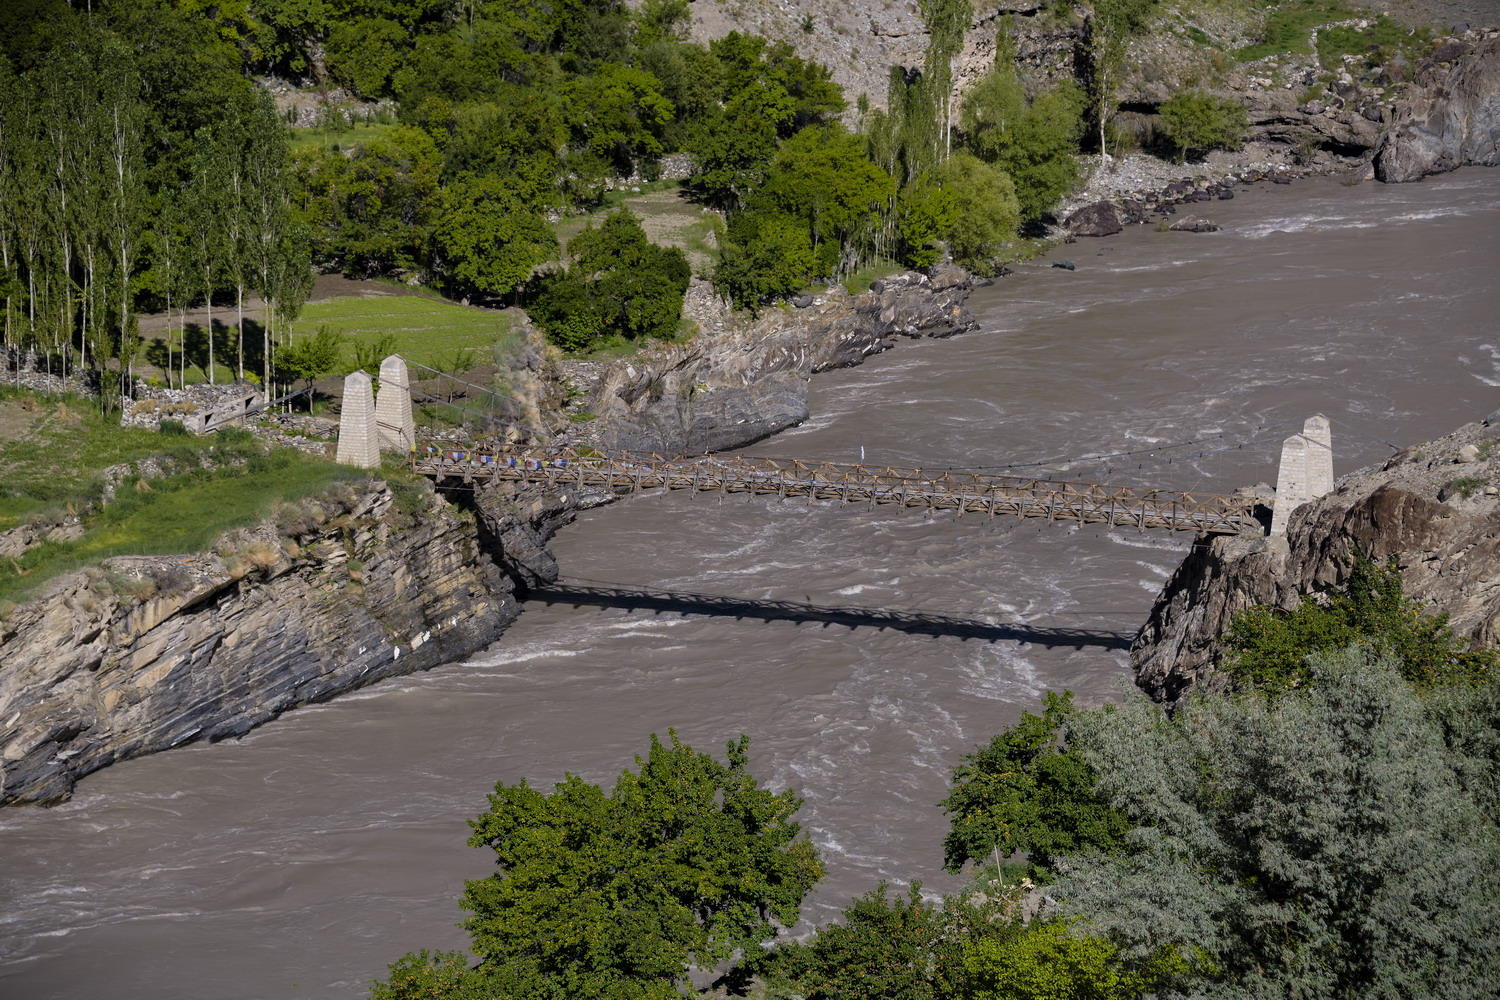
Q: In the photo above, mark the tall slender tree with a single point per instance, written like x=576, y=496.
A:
x=208, y=204
x=267, y=216
x=124, y=120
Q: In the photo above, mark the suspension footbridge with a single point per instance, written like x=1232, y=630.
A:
x=368, y=425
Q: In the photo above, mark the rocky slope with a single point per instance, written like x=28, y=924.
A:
x=1434, y=508
x=744, y=379
x=1451, y=118
x=145, y=653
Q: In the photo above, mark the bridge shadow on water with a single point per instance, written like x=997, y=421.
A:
x=755, y=609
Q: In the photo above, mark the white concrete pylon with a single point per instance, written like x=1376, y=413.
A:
x=398, y=431
x=1319, y=437
x=359, y=436
x=1291, y=482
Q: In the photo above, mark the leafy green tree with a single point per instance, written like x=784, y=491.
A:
x=607, y=895
x=822, y=176
x=887, y=948
x=618, y=115
x=485, y=241
x=307, y=359
x=620, y=284
x=1108, y=31
x=734, y=146
x=1033, y=141
x=746, y=60
x=363, y=54
x=766, y=256
x=371, y=210
x=1196, y=122
x=211, y=199
x=1027, y=792
x=1318, y=844
x=661, y=21
x=521, y=138
x=985, y=214
x=1267, y=647
x=440, y=975
x=1468, y=716
x=927, y=214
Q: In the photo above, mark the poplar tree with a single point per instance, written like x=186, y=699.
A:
x=208, y=205
x=124, y=116
x=266, y=207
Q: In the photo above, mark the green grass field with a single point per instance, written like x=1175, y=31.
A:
x=179, y=514
x=337, y=138
x=52, y=451
x=429, y=331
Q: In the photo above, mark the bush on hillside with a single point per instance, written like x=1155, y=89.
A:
x=620, y=285
x=1196, y=122
x=1268, y=647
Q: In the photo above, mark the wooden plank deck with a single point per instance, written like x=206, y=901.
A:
x=878, y=485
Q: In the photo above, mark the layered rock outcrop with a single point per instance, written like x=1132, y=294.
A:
x=141, y=654
x=1451, y=117
x=1434, y=508
x=740, y=381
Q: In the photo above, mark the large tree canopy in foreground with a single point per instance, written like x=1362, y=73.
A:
x=1317, y=844
x=614, y=895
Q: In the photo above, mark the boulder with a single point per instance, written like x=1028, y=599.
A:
x=1099, y=219
x=1194, y=224
x=1065, y=265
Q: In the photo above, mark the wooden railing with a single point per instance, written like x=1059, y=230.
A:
x=879, y=485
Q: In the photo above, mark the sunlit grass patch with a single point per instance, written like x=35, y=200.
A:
x=429, y=331
x=177, y=514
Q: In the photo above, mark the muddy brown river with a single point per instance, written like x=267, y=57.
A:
x=298, y=861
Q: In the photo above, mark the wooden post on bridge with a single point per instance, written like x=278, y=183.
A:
x=359, y=436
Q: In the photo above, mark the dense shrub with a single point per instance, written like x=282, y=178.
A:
x=1196, y=122
x=1268, y=647
x=619, y=285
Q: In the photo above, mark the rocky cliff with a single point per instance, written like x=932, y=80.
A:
x=743, y=379
x=1451, y=117
x=141, y=654
x=1434, y=508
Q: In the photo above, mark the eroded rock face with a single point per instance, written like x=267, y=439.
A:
x=147, y=653
x=1448, y=551
x=1451, y=118
x=739, y=382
